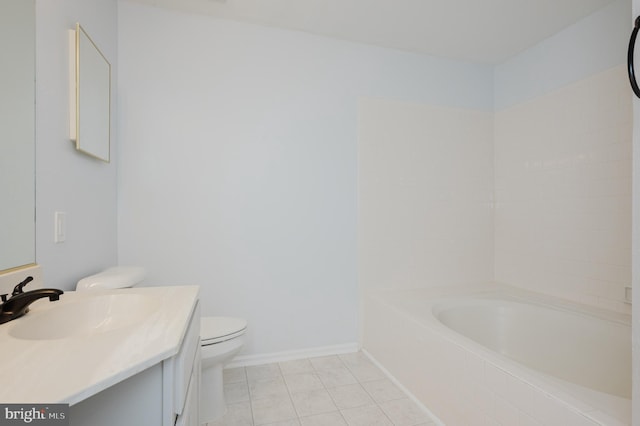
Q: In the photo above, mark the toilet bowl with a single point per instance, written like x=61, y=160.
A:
x=221, y=339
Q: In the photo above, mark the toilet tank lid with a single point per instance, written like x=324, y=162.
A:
x=115, y=277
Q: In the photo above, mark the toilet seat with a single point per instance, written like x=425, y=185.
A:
x=219, y=329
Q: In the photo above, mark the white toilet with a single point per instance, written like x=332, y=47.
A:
x=221, y=339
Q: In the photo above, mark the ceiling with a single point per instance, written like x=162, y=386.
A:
x=487, y=31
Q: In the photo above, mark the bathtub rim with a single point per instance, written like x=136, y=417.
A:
x=562, y=306
x=407, y=301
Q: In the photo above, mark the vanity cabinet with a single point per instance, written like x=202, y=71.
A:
x=190, y=415
x=182, y=373
x=165, y=394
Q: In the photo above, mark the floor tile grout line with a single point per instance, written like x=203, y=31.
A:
x=246, y=375
x=315, y=371
x=289, y=393
x=285, y=385
x=359, y=383
x=332, y=398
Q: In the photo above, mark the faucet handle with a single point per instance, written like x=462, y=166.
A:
x=3, y=297
x=18, y=289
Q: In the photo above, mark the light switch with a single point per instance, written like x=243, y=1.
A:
x=60, y=227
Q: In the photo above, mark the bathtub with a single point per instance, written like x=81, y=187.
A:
x=498, y=354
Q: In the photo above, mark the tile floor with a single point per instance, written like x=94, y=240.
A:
x=342, y=390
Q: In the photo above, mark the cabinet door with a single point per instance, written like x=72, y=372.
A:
x=135, y=401
x=185, y=360
x=191, y=413
x=179, y=386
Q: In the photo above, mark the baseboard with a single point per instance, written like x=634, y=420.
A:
x=247, y=360
x=404, y=389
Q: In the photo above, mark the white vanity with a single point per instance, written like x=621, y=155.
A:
x=120, y=357
x=125, y=357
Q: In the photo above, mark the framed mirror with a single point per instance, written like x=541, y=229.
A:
x=90, y=97
x=17, y=137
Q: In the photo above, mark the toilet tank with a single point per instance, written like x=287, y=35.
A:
x=116, y=277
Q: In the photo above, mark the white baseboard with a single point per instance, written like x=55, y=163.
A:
x=404, y=389
x=247, y=360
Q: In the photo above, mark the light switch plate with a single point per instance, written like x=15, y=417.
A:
x=60, y=227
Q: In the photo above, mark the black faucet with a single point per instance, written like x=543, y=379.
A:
x=18, y=304
x=18, y=289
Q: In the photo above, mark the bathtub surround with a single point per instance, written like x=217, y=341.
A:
x=425, y=183
x=558, y=222
x=560, y=216
x=563, y=172
x=539, y=197
x=563, y=192
x=563, y=164
x=555, y=217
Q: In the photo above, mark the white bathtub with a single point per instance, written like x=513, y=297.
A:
x=503, y=355
x=569, y=345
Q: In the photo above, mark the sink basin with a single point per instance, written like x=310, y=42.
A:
x=83, y=316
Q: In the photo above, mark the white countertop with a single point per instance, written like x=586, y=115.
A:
x=71, y=369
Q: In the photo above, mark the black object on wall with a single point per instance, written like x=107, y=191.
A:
x=630, y=52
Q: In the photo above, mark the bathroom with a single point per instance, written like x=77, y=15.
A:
x=225, y=173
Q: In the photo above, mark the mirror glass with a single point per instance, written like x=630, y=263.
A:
x=91, y=121
x=17, y=137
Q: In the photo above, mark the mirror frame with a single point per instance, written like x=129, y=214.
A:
x=90, y=114
x=17, y=150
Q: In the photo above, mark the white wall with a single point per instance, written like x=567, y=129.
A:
x=65, y=180
x=593, y=44
x=238, y=163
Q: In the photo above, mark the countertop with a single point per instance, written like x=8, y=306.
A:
x=71, y=369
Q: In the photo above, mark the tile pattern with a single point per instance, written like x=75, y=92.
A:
x=563, y=192
x=338, y=390
x=425, y=185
